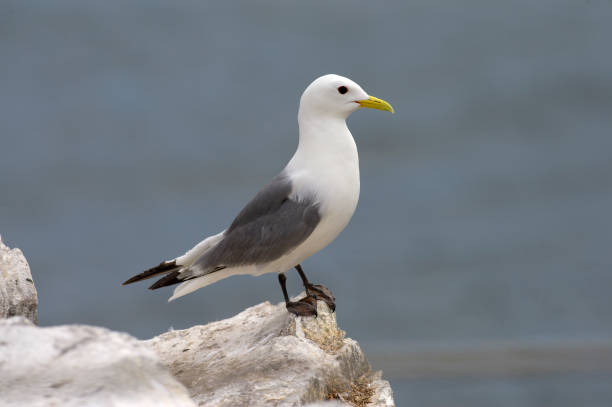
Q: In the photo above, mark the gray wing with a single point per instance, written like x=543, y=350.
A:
x=269, y=226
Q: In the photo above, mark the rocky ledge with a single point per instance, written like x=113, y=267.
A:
x=263, y=356
x=79, y=365
x=17, y=292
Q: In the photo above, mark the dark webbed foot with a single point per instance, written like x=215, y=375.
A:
x=322, y=293
x=305, y=307
x=319, y=291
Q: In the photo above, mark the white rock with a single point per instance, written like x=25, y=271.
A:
x=78, y=365
x=264, y=356
x=383, y=395
x=17, y=292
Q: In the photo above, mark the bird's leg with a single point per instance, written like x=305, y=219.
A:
x=319, y=291
x=305, y=307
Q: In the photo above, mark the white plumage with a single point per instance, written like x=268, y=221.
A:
x=322, y=174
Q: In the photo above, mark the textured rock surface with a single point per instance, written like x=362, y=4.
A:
x=77, y=365
x=266, y=357
x=17, y=292
x=263, y=356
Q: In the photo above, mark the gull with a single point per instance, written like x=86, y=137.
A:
x=297, y=214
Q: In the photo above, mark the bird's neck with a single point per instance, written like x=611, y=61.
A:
x=325, y=139
x=326, y=164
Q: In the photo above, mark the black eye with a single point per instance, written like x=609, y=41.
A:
x=342, y=90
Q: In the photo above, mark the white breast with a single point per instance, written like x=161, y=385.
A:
x=326, y=165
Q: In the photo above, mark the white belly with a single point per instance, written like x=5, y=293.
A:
x=337, y=193
x=336, y=212
x=324, y=167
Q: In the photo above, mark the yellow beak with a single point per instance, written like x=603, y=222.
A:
x=376, y=103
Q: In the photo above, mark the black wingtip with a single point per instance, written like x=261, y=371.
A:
x=169, y=279
x=163, y=267
x=131, y=280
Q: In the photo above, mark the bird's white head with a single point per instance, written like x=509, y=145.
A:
x=337, y=97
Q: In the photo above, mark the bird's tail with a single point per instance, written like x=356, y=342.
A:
x=165, y=267
x=191, y=284
x=179, y=269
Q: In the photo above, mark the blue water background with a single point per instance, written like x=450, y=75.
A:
x=131, y=130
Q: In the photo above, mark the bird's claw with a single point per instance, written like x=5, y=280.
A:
x=320, y=292
x=305, y=307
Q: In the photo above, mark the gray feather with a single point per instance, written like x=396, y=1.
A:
x=269, y=226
